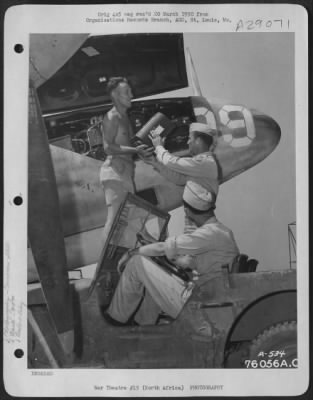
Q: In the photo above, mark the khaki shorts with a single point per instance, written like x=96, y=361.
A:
x=118, y=169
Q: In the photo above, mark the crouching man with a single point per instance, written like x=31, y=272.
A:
x=212, y=244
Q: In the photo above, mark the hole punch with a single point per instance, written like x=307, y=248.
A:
x=19, y=353
x=18, y=200
x=18, y=48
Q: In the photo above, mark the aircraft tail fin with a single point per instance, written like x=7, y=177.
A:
x=194, y=77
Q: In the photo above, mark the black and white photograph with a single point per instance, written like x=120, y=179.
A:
x=156, y=218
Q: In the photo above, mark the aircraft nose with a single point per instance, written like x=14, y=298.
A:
x=243, y=148
x=267, y=132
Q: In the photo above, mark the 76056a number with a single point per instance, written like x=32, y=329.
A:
x=272, y=363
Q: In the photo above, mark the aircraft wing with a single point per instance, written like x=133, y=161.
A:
x=153, y=64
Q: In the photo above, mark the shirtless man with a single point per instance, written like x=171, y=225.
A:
x=117, y=172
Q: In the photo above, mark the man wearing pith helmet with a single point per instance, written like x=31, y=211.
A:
x=201, y=168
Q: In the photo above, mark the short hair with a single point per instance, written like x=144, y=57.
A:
x=207, y=139
x=198, y=212
x=114, y=82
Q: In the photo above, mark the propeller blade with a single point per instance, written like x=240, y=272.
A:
x=44, y=226
x=194, y=77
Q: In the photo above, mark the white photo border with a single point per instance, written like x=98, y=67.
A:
x=20, y=22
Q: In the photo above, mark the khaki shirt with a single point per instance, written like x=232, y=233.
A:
x=201, y=169
x=212, y=246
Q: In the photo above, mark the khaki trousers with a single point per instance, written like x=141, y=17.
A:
x=163, y=292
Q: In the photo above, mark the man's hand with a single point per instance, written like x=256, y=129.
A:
x=195, y=275
x=144, y=151
x=156, y=140
x=184, y=261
